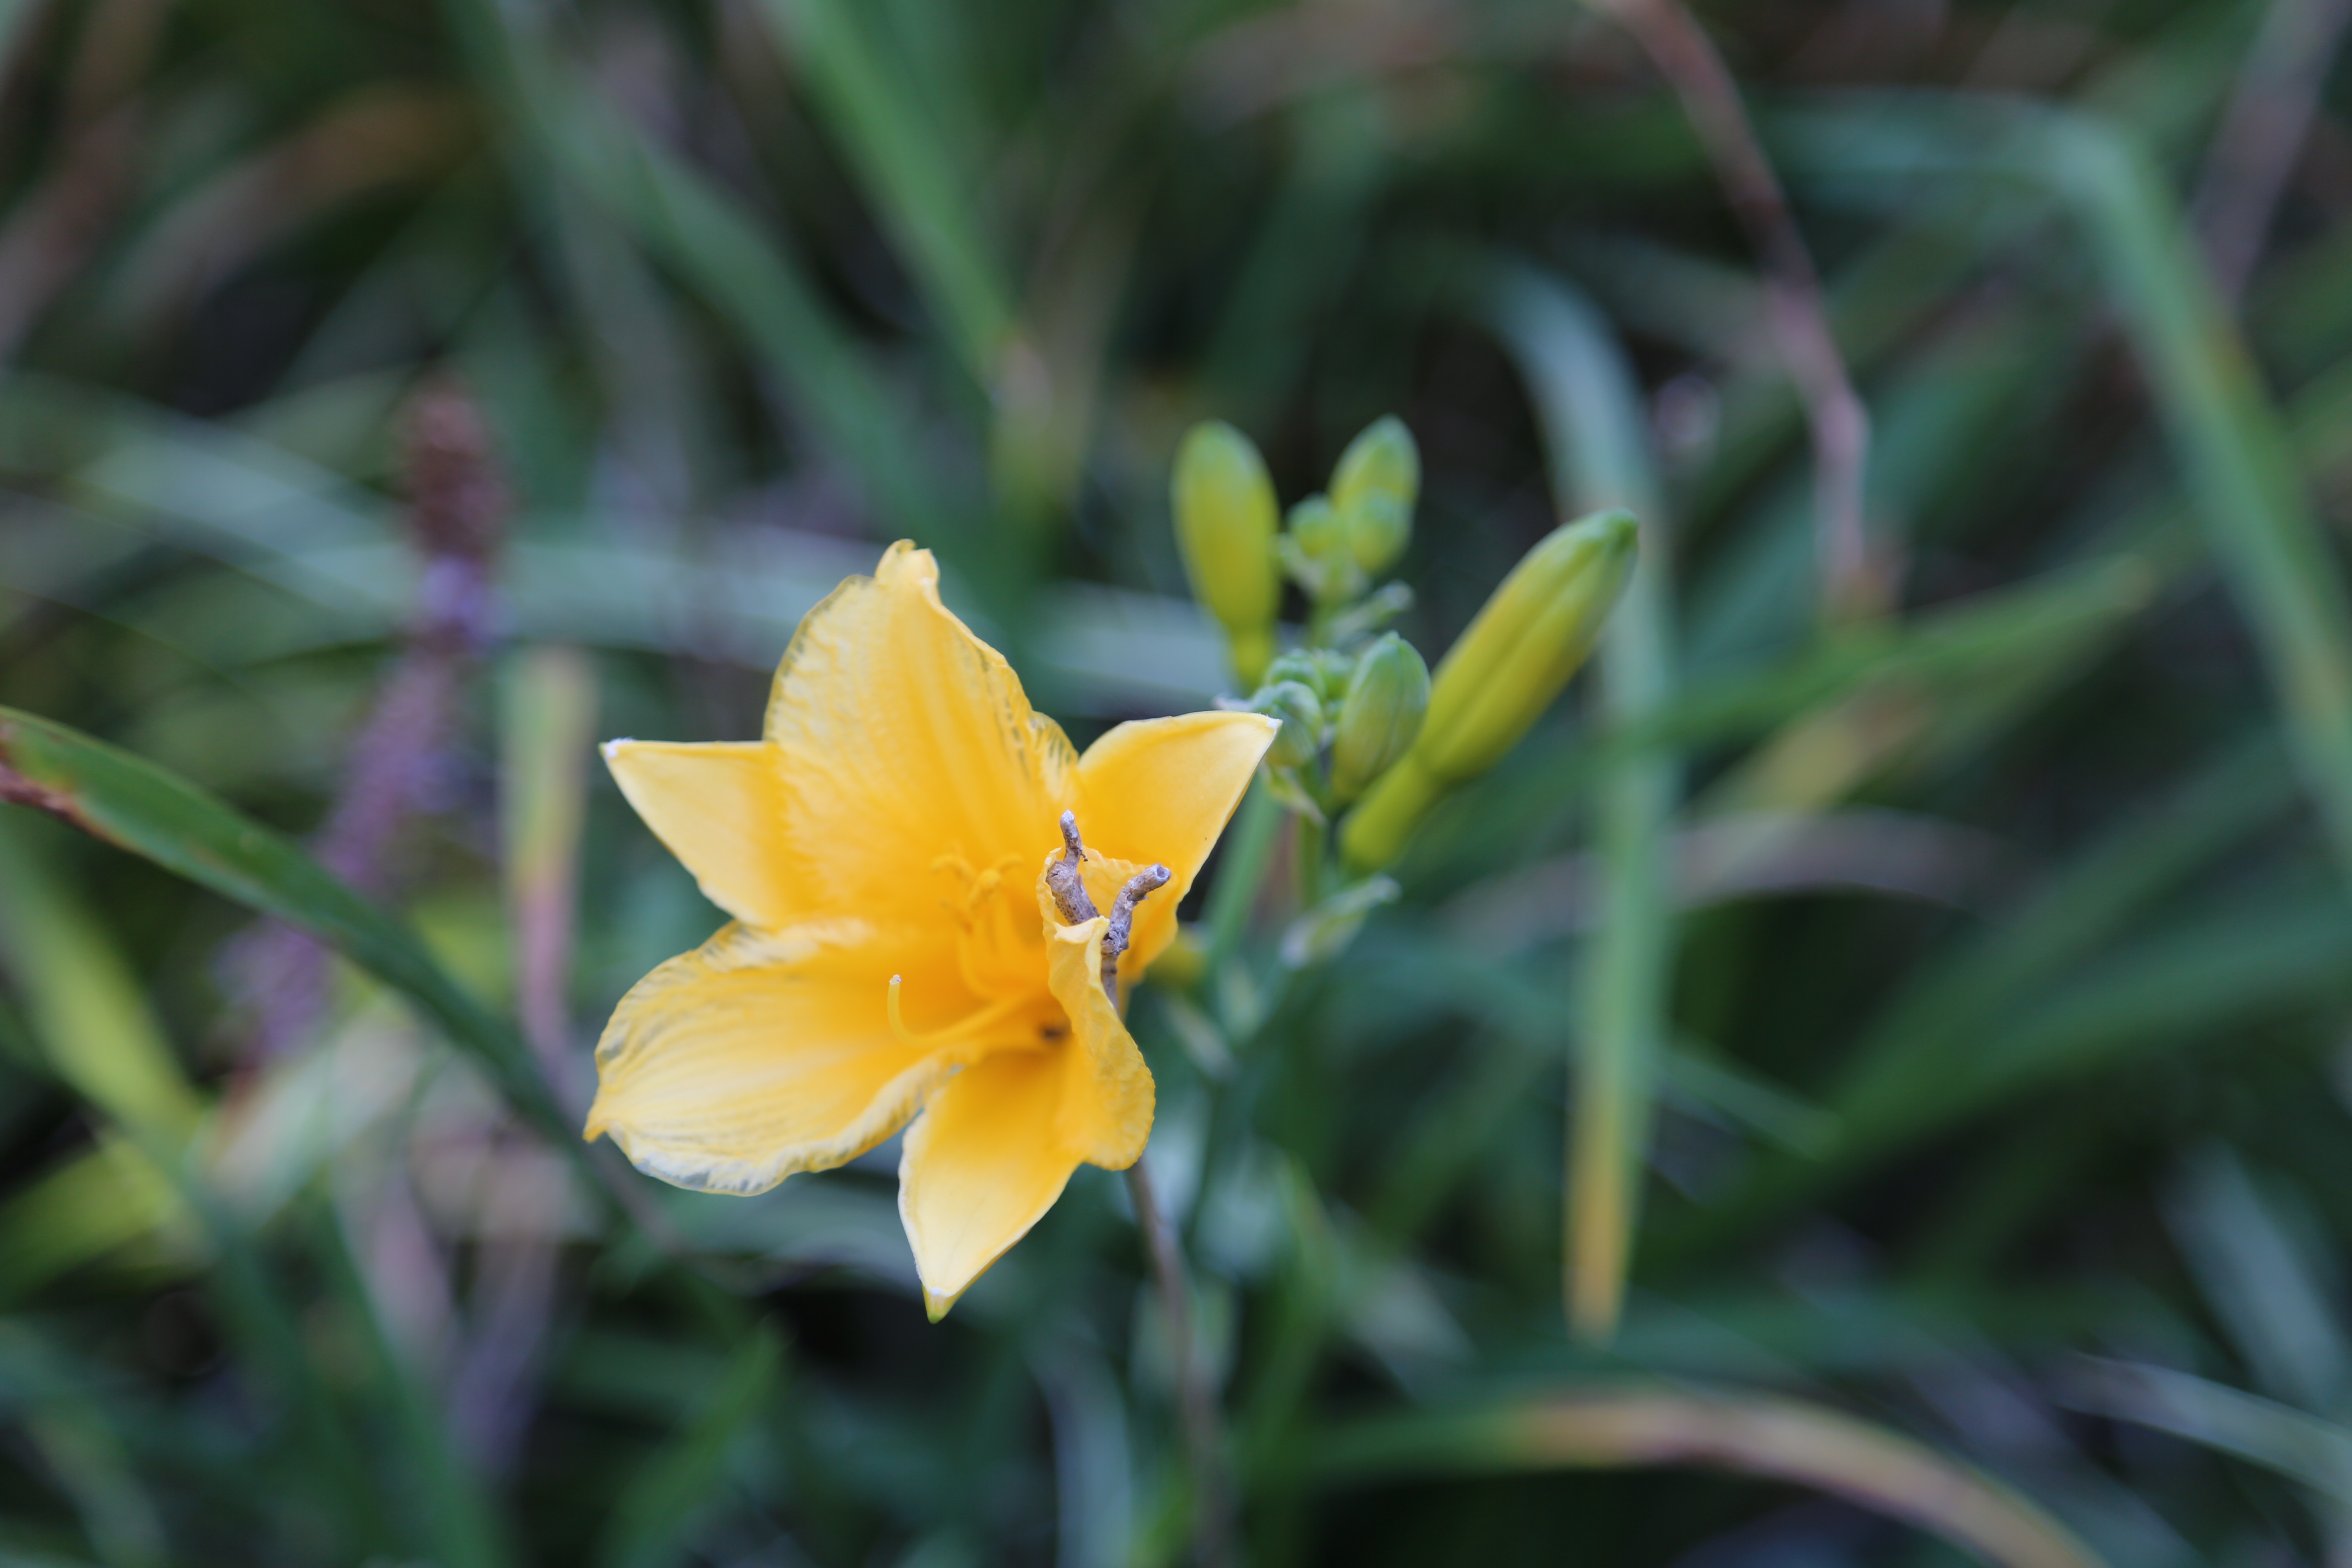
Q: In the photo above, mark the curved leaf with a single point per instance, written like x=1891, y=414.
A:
x=138, y=806
x=1752, y=1434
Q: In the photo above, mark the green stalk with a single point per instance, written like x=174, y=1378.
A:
x=1596, y=438
x=550, y=718
x=1308, y=847
x=1242, y=875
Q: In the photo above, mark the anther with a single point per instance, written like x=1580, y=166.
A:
x=1140, y=887
x=1065, y=878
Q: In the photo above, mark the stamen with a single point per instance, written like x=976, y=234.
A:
x=965, y=1028
x=1064, y=878
x=1140, y=887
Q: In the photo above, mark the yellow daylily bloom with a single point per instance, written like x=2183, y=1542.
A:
x=930, y=890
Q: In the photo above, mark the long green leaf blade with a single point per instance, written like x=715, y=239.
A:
x=1597, y=441
x=136, y=805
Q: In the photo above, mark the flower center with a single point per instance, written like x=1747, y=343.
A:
x=998, y=949
x=997, y=952
x=977, y=1025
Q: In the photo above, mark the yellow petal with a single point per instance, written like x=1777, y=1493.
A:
x=764, y=1053
x=997, y=1142
x=1105, y=1114
x=719, y=808
x=1161, y=790
x=981, y=1166
x=905, y=739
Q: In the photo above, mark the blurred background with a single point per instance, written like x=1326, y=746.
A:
x=394, y=400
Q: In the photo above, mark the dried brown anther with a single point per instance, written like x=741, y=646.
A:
x=1064, y=879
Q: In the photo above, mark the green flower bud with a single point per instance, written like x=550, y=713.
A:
x=1226, y=522
x=1301, y=712
x=1378, y=527
x=1302, y=666
x=1315, y=524
x=1499, y=677
x=1325, y=671
x=1333, y=671
x=1374, y=487
x=1314, y=550
x=1387, y=699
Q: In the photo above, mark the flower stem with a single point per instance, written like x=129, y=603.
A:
x=1242, y=875
x=1196, y=1401
x=1311, y=836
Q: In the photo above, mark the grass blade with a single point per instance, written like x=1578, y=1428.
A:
x=1597, y=439
x=2239, y=461
x=135, y=805
x=910, y=176
x=2279, y=1439
x=85, y=1002
x=694, y=228
x=655, y=1509
x=1781, y=1439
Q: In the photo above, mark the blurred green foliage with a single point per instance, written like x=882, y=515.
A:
x=1930, y=1029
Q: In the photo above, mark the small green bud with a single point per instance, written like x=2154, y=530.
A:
x=1325, y=671
x=1382, y=458
x=1387, y=699
x=1499, y=676
x=1301, y=712
x=1333, y=671
x=1226, y=522
x=1314, y=524
x=1303, y=666
x=1314, y=550
x=1378, y=527
x=1374, y=487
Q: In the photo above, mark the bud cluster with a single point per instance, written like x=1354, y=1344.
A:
x=1335, y=546
x=1499, y=676
x=1346, y=717
x=1339, y=542
x=1364, y=724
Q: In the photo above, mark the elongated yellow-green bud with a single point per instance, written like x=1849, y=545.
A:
x=1314, y=550
x=1374, y=488
x=1301, y=713
x=1317, y=527
x=1387, y=698
x=1499, y=677
x=1226, y=523
x=1378, y=527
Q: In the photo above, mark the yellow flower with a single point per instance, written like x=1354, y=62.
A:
x=892, y=849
